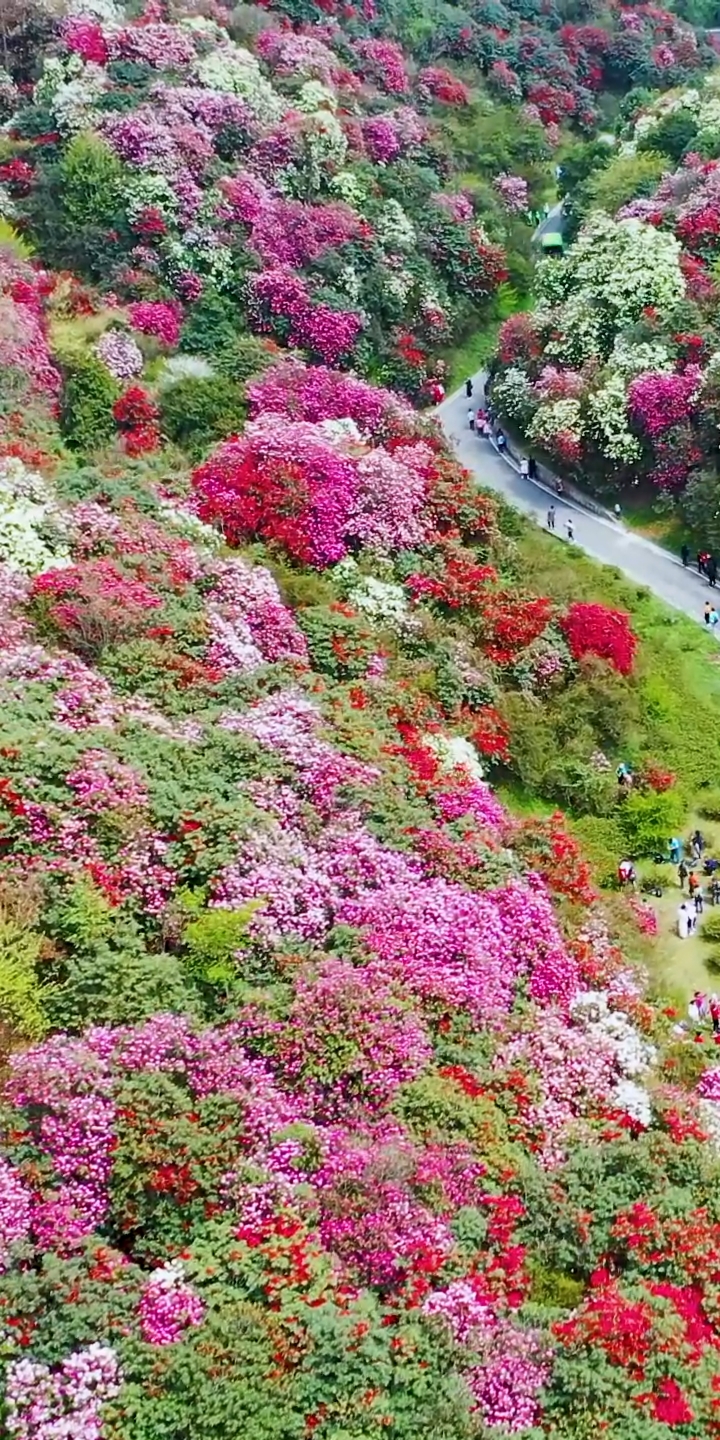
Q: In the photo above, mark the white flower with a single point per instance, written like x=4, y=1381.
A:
x=341, y=432
x=453, y=751
x=636, y=358
x=382, y=602
x=313, y=96
x=634, y=1101
x=608, y=422
x=32, y=533
x=184, y=367
x=394, y=228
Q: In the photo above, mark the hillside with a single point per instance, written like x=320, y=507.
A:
x=614, y=373
x=337, y=1099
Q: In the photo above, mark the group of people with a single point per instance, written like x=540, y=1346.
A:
x=703, y=1008
x=705, y=561
x=482, y=421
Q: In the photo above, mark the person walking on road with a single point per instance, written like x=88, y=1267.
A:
x=711, y=571
x=551, y=518
x=685, y=554
x=617, y=512
x=471, y=418
x=532, y=468
x=501, y=441
x=525, y=467
x=707, y=612
x=469, y=388
x=570, y=527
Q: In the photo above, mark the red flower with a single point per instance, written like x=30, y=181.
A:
x=597, y=630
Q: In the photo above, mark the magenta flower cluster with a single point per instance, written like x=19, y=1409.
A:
x=278, y=295
x=168, y=1305
x=660, y=401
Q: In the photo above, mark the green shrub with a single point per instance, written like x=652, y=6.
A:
x=553, y=1290
x=22, y=1014
x=709, y=805
x=196, y=413
x=339, y=642
x=212, y=939
x=89, y=393
x=648, y=821
x=90, y=181
x=712, y=960
x=710, y=929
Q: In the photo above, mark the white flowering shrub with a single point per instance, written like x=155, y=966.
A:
x=235, y=71
x=513, y=394
x=394, y=228
x=454, y=751
x=184, y=367
x=32, y=534
x=607, y=422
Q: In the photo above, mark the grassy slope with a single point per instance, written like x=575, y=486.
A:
x=679, y=687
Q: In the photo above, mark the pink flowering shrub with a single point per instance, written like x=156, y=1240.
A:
x=513, y=192
x=279, y=300
x=658, y=402
x=68, y=1401
x=249, y=622
x=15, y=1211
x=160, y=318
x=382, y=61
x=317, y=393
x=351, y=1043
x=168, y=1305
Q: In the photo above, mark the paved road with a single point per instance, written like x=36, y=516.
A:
x=604, y=539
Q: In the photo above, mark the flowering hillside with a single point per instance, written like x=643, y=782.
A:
x=331, y=1104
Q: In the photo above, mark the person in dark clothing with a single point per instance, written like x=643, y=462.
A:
x=469, y=388
x=532, y=468
x=702, y=559
x=707, y=612
x=715, y=1014
x=698, y=844
x=685, y=554
x=711, y=571
x=682, y=874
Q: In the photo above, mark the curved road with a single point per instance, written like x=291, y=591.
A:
x=604, y=539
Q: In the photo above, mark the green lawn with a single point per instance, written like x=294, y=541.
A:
x=677, y=684
x=665, y=528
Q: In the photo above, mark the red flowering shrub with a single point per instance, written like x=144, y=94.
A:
x=93, y=605
x=18, y=176
x=491, y=735
x=657, y=778
x=596, y=630
x=136, y=415
x=518, y=339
